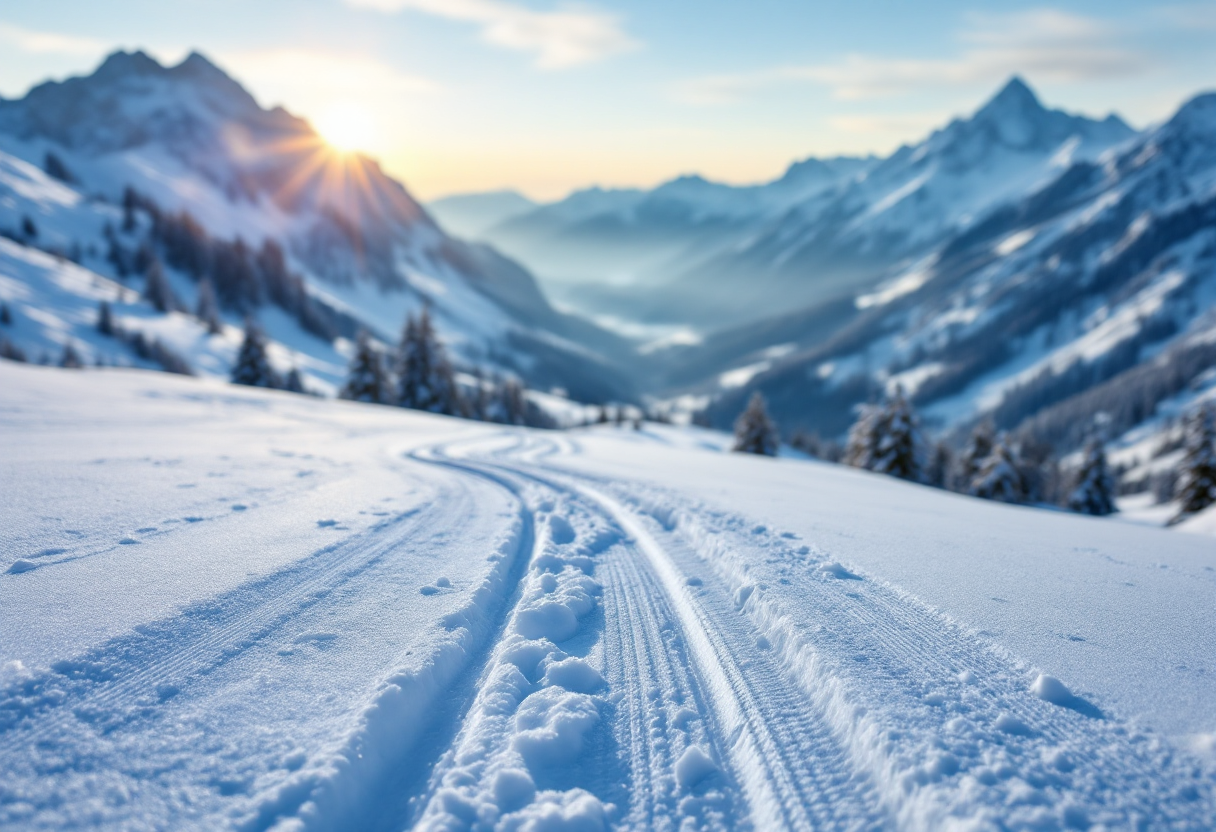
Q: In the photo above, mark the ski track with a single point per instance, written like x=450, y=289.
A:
x=635, y=659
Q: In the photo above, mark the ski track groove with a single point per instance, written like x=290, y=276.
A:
x=109, y=688
x=782, y=788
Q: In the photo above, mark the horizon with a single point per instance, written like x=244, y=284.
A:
x=530, y=97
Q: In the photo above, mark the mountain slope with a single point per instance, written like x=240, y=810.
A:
x=189, y=138
x=1095, y=293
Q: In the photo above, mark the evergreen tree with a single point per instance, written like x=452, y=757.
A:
x=940, y=461
x=512, y=403
x=897, y=451
x=366, y=381
x=1000, y=476
x=208, y=309
x=978, y=448
x=71, y=358
x=1197, y=474
x=11, y=351
x=602, y=417
x=28, y=230
x=6, y=315
x=252, y=364
x=479, y=402
x=861, y=448
x=105, y=319
x=1095, y=490
x=294, y=383
x=427, y=381
x=157, y=290
x=55, y=167
x=755, y=432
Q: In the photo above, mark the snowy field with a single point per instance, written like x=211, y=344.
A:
x=229, y=608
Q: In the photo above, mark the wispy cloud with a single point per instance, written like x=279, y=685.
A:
x=561, y=38
x=315, y=74
x=47, y=43
x=1047, y=44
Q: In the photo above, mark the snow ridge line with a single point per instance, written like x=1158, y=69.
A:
x=1043, y=763
x=373, y=781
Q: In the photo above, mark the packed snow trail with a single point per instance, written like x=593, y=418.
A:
x=860, y=708
x=323, y=616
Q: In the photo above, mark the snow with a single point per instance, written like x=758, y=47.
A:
x=343, y=616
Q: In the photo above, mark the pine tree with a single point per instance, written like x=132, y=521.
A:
x=157, y=290
x=71, y=358
x=897, y=451
x=366, y=380
x=861, y=448
x=294, y=383
x=755, y=432
x=978, y=447
x=208, y=309
x=6, y=315
x=479, y=402
x=11, y=351
x=999, y=476
x=105, y=319
x=938, y=472
x=1095, y=490
x=513, y=403
x=252, y=364
x=427, y=381
x=1197, y=473
x=28, y=230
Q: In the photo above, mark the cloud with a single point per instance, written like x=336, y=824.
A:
x=313, y=74
x=1047, y=44
x=48, y=43
x=559, y=39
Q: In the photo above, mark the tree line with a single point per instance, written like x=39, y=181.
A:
x=887, y=438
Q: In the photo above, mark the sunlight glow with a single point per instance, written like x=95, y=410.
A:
x=347, y=127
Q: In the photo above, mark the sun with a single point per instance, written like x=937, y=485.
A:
x=347, y=127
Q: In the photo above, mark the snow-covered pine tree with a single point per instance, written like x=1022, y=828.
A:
x=1197, y=473
x=861, y=448
x=1000, y=475
x=479, y=400
x=252, y=364
x=71, y=358
x=366, y=381
x=294, y=383
x=1095, y=489
x=208, y=308
x=157, y=290
x=755, y=432
x=427, y=381
x=897, y=452
x=11, y=351
x=512, y=402
x=977, y=449
x=105, y=319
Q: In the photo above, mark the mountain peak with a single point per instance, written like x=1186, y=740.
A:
x=122, y=62
x=1016, y=97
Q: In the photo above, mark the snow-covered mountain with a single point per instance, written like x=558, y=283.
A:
x=188, y=138
x=825, y=230
x=610, y=250
x=1091, y=297
x=471, y=215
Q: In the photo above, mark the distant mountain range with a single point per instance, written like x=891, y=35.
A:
x=190, y=138
x=1041, y=268
x=1047, y=270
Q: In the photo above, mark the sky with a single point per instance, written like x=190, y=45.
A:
x=544, y=96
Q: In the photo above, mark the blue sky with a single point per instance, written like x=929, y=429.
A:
x=544, y=96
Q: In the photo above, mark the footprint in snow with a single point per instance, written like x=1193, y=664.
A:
x=128, y=541
x=325, y=524
x=239, y=507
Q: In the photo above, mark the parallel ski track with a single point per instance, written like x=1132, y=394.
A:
x=793, y=772
x=132, y=673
